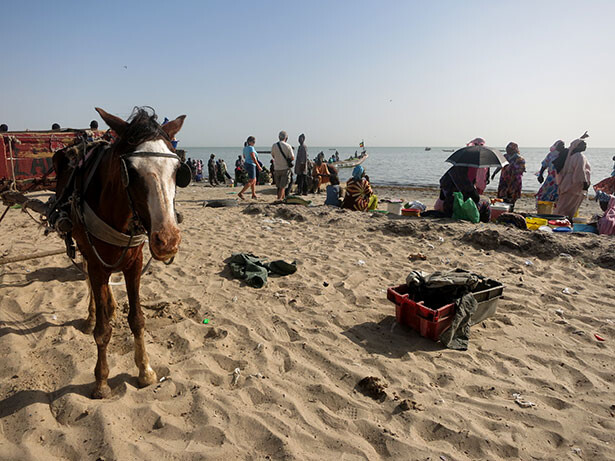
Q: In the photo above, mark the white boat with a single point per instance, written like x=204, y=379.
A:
x=351, y=162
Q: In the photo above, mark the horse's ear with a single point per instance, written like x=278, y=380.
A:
x=115, y=123
x=172, y=128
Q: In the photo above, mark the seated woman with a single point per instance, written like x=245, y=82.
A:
x=320, y=173
x=334, y=192
x=359, y=194
x=605, y=189
x=456, y=180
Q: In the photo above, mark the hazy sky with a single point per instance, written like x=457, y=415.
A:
x=396, y=73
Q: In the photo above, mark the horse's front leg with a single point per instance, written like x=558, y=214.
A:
x=132, y=276
x=102, y=330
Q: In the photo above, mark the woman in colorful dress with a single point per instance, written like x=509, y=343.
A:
x=358, y=191
x=509, y=188
x=573, y=176
x=548, y=189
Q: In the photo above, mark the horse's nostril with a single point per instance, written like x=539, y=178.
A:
x=158, y=239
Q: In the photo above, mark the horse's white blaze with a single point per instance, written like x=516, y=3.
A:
x=158, y=174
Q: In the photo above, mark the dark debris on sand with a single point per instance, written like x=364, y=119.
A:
x=373, y=387
x=287, y=212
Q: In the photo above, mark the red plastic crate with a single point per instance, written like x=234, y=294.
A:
x=428, y=322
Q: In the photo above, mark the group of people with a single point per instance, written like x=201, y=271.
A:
x=311, y=176
x=568, y=178
x=217, y=171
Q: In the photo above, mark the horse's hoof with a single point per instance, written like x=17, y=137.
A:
x=88, y=326
x=101, y=392
x=147, y=377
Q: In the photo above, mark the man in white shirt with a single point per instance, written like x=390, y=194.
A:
x=282, y=154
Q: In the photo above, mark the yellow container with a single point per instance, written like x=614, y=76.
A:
x=535, y=223
x=544, y=207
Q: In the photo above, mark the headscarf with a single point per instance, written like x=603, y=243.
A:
x=557, y=146
x=301, y=139
x=512, y=148
x=578, y=145
x=357, y=173
x=476, y=142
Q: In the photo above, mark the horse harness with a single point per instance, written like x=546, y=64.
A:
x=74, y=204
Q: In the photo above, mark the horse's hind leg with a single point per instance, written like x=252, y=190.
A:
x=102, y=332
x=132, y=276
x=90, y=322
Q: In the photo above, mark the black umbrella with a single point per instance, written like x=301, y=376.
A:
x=477, y=156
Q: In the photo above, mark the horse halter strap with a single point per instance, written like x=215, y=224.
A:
x=141, y=153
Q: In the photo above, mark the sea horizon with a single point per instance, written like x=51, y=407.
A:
x=414, y=166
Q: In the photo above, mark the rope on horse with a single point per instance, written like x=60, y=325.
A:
x=43, y=254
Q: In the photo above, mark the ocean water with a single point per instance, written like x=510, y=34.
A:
x=414, y=166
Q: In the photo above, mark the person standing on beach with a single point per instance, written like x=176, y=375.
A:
x=548, y=189
x=301, y=167
x=252, y=165
x=282, y=154
x=211, y=170
x=573, y=176
x=510, y=185
x=239, y=167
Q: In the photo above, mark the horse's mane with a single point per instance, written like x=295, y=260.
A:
x=142, y=126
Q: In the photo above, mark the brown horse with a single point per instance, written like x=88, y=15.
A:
x=122, y=195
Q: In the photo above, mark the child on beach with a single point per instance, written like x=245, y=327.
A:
x=334, y=192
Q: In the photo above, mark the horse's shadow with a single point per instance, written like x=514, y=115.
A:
x=25, y=398
x=48, y=274
x=8, y=328
x=389, y=339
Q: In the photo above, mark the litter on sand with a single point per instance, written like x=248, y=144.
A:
x=598, y=337
x=522, y=402
x=417, y=256
x=236, y=374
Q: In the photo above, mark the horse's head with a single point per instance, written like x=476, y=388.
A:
x=149, y=170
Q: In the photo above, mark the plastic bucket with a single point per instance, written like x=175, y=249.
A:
x=395, y=207
x=535, y=223
x=544, y=207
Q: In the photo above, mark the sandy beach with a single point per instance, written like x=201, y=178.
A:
x=303, y=342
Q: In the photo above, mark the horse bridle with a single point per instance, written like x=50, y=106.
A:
x=140, y=153
x=183, y=178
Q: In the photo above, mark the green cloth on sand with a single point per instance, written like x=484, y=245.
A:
x=254, y=270
x=296, y=200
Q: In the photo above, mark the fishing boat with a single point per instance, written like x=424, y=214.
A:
x=448, y=150
x=428, y=148
x=352, y=161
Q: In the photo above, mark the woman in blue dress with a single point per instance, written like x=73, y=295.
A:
x=548, y=189
x=251, y=165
